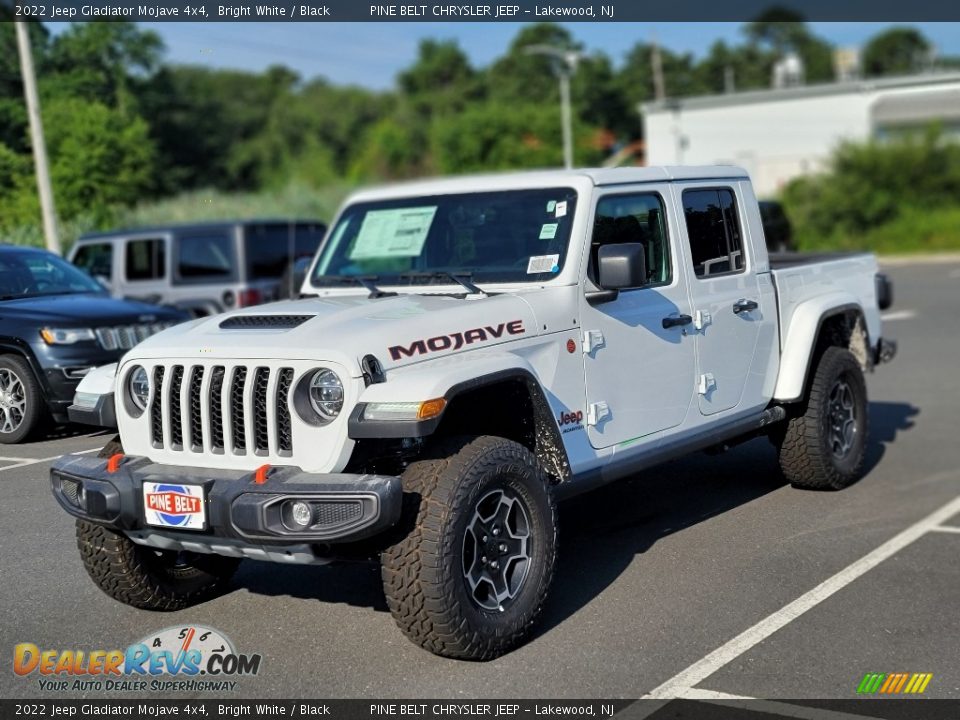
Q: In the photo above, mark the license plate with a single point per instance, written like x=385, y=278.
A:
x=173, y=505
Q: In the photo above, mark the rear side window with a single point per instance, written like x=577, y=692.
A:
x=205, y=256
x=96, y=259
x=146, y=259
x=716, y=243
x=271, y=248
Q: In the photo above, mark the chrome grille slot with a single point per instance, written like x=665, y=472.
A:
x=236, y=410
x=174, y=414
x=216, y=409
x=156, y=412
x=124, y=337
x=261, y=438
x=196, y=410
x=284, y=430
x=225, y=409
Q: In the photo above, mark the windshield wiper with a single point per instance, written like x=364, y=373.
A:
x=464, y=279
x=367, y=281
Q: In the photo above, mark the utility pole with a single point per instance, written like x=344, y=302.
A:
x=44, y=187
x=566, y=65
x=659, y=88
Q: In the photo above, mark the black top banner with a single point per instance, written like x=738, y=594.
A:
x=510, y=11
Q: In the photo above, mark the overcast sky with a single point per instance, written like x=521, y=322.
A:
x=371, y=54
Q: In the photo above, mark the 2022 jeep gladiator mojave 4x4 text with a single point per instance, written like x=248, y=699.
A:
x=467, y=351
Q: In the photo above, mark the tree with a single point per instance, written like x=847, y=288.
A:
x=519, y=77
x=784, y=31
x=897, y=51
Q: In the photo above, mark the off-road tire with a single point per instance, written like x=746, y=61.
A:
x=146, y=578
x=34, y=406
x=423, y=576
x=806, y=450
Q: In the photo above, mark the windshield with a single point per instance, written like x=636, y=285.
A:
x=513, y=236
x=32, y=274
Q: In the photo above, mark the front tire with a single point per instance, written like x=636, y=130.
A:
x=823, y=447
x=21, y=401
x=146, y=578
x=470, y=575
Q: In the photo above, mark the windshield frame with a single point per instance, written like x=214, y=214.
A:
x=565, y=189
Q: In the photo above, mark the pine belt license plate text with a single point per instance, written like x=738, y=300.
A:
x=174, y=505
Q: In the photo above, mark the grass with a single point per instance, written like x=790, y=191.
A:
x=914, y=231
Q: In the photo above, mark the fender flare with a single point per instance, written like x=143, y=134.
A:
x=797, y=354
x=16, y=346
x=550, y=449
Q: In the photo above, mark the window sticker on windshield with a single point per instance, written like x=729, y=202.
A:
x=399, y=232
x=543, y=263
x=561, y=208
x=549, y=231
x=551, y=205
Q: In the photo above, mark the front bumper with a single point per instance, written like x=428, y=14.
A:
x=245, y=517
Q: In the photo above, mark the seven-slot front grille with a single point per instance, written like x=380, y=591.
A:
x=238, y=410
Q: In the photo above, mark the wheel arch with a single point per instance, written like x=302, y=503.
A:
x=814, y=326
x=16, y=346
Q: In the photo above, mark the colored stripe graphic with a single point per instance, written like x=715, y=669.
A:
x=894, y=683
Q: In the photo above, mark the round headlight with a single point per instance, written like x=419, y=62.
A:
x=326, y=394
x=139, y=384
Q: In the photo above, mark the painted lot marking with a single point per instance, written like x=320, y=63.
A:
x=692, y=676
x=946, y=529
x=898, y=315
x=24, y=462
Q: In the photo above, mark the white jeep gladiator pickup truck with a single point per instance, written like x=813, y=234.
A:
x=466, y=352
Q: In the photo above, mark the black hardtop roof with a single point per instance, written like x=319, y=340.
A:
x=202, y=225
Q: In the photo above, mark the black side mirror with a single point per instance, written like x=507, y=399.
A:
x=622, y=266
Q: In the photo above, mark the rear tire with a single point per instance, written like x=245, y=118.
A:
x=470, y=574
x=823, y=447
x=22, y=407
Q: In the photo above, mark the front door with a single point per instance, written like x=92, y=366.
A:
x=639, y=374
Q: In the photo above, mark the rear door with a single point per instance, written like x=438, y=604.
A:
x=146, y=268
x=730, y=307
x=639, y=374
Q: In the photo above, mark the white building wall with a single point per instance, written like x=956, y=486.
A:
x=775, y=140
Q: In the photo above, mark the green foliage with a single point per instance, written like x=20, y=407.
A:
x=897, y=51
x=873, y=191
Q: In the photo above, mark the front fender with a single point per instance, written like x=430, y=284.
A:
x=803, y=327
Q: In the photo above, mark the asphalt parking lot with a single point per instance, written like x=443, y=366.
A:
x=705, y=578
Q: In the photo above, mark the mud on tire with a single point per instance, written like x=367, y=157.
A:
x=822, y=447
x=464, y=502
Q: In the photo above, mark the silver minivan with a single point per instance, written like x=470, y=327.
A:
x=203, y=268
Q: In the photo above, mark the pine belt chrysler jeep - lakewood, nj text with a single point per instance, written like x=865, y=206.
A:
x=468, y=351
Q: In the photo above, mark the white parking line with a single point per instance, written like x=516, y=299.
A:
x=708, y=665
x=898, y=315
x=946, y=529
x=24, y=462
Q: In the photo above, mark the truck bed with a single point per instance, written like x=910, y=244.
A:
x=781, y=260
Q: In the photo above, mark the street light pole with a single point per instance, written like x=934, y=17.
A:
x=44, y=186
x=566, y=66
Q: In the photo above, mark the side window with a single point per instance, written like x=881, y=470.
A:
x=96, y=259
x=713, y=227
x=145, y=259
x=205, y=256
x=633, y=219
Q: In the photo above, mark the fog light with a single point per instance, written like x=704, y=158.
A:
x=301, y=513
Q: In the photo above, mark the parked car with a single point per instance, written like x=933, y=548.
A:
x=776, y=227
x=203, y=268
x=476, y=349
x=56, y=324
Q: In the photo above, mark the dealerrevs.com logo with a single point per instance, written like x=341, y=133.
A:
x=188, y=659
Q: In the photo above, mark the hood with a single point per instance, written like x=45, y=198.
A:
x=396, y=330
x=91, y=310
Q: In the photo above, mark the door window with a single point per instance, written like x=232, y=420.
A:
x=635, y=218
x=96, y=259
x=206, y=257
x=716, y=243
x=145, y=259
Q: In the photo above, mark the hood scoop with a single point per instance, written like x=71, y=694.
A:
x=264, y=322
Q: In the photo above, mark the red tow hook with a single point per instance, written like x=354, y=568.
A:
x=260, y=476
x=113, y=464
